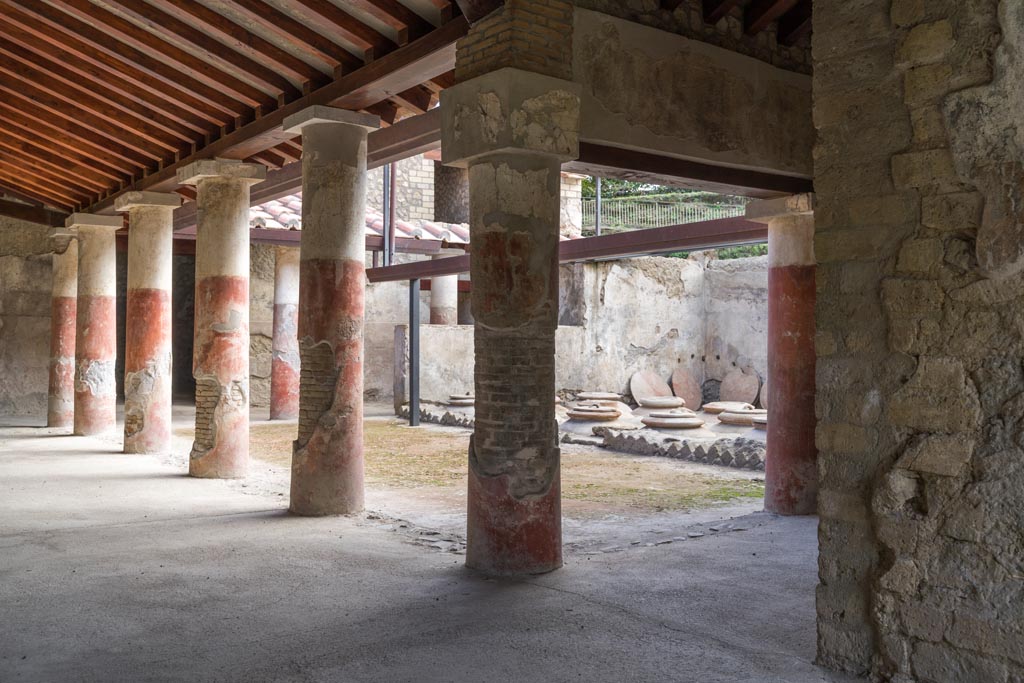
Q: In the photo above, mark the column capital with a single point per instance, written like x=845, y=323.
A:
x=93, y=220
x=222, y=168
x=765, y=210
x=136, y=199
x=510, y=111
x=60, y=238
x=319, y=114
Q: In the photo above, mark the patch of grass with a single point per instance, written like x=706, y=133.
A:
x=405, y=458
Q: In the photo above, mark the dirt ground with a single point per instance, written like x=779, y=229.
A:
x=429, y=462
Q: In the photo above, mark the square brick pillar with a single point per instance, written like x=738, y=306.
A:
x=220, y=360
x=513, y=129
x=791, y=463
x=96, y=323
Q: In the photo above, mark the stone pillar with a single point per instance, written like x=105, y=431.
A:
x=327, y=459
x=147, y=348
x=60, y=403
x=572, y=205
x=515, y=128
x=96, y=323
x=284, y=364
x=220, y=360
x=444, y=296
x=791, y=471
x=451, y=194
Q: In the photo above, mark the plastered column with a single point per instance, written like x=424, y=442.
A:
x=791, y=472
x=513, y=129
x=220, y=361
x=284, y=363
x=327, y=458
x=147, y=349
x=60, y=402
x=96, y=323
x=444, y=297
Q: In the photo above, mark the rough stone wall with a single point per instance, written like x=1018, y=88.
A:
x=25, y=274
x=532, y=35
x=688, y=20
x=920, y=390
x=261, y=322
x=414, y=189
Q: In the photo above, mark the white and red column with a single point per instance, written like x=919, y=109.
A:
x=791, y=469
x=444, y=296
x=514, y=160
x=220, y=361
x=96, y=323
x=60, y=401
x=284, y=363
x=147, y=348
x=327, y=459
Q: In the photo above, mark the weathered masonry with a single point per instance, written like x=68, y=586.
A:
x=881, y=145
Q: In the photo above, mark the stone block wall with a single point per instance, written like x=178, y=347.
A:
x=25, y=287
x=414, y=190
x=920, y=393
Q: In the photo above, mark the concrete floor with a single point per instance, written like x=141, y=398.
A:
x=120, y=568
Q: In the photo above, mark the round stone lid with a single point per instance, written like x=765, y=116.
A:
x=732, y=406
x=598, y=396
x=661, y=402
x=672, y=422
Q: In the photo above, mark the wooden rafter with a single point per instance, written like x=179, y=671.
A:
x=761, y=13
x=795, y=24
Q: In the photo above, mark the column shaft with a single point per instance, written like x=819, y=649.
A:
x=444, y=298
x=791, y=476
x=514, y=507
x=220, y=361
x=327, y=460
x=147, y=354
x=284, y=364
x=96, y=329
x=60, y=404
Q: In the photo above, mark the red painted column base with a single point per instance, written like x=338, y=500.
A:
x=147, y=402
x=791, y=467
x=96, y=349
x=284, y=364
x=60, y=409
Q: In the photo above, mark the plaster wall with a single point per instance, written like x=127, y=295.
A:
x=718, y=106
x=920, y=384
x=25, y=287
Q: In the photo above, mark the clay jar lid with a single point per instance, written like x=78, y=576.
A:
x=740, y=417
x=716, y=407
x=594, y=412
x=461, y=399
x=760, y=421
x=661, y=402
x=672, y=420
x=678, y=412
x=598, y=396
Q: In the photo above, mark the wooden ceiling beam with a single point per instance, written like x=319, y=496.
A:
x=18, y=135
x=407, y=24
x=64, y=84
x=796, y=23
x=83, y=69
x=158, y=22
x=416, y=99
x=407, y=66
x=32, y=214
x=16, y=176
x=715, y=10
x=373, y=43
x=56, y=178
x=30, y=195
x=243, y=40
x=124, y=30
x=16, y=121
x=761, y=13
x=311, y=43
x=124, y=61
x=76, y=173
x=41, y=106
x=475, y=10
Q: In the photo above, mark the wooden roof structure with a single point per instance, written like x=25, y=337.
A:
x=100, y=96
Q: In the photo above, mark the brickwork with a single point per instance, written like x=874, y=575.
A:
x=532, y=35
x=919, y=378
x=688, y=20
x=415, y=189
